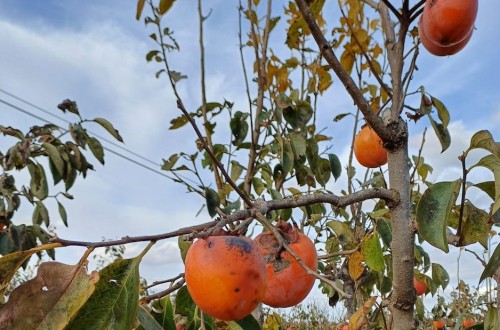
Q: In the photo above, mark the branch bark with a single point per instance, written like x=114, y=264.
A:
x=371, y=118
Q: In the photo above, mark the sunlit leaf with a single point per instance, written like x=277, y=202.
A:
x=372, y=252
x=343, y=232
x=170, y=163
x=359, y=315
x=56, y=293
x=492, y=265
x=115, y=301
x=10, y=263
x=165, y=5
x=492, y=163
x=140, y=7
x=183, y=246
x=433, y=211
x=491, y=318
x=484, y=140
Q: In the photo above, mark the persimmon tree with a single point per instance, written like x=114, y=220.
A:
x=271, y=160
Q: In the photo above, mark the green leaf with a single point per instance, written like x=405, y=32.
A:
x=109, y=127
x=115, y=301
x=239, y=127
x=442, y=134
x=40, y=214
x=236, y=170
x=433, y=211
x=62, y=213
x=178, y=122
x=151, y=55
x=492, y=163
x=372, y=252
x=488, y=187
x=490, y=319
x=492, y=265
x=55, y=157
x=165, y=5
x=258, y=186
x=147, y=320
x=484, y=140
x=212, y=200
x=10, y=263
x=183, y=246
x=170, y=163
x=443, y=113
x=322, y=171
x=184, y=304
x=335, y=166
x=475, y=227
x=166, y=316
x=247, y=323
x=140, y=7
x=298, y=143
x=56, y=293
x=96, y=148
x=38, y=183
x=343, y=232
x=440, y=276
x=340, y=116
x=385, y=231
x=299, y=114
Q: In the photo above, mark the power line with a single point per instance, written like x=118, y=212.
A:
x=12, y=106
x=68, y=122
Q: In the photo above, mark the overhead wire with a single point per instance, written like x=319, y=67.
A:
x=27, y=112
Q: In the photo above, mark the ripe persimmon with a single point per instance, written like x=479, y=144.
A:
x=439, y=50
x=468, y=322
x=420, y=286
x=368, y=148
x=225, y=276
x=448, y=22
x=438, y=324
x=287, y=281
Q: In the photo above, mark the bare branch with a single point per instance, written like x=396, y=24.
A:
x=392, y=9
x=373, y=120
x=339, y=253
x=260, y=206
x=155, y=283
x=481, y=260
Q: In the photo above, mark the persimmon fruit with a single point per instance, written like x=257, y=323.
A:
x=419, y=285
x=368, y=148
x=438, y=324
x=468, y=322
x=287, y=281
x=448, y=22
x=440, y=50
x=225, y=276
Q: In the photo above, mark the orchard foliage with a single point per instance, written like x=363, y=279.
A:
x=271, y=161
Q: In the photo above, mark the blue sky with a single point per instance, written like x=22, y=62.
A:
x=94, y=53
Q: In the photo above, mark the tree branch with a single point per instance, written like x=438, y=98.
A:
x=372, y=119
x=260, y=206
x=161, y=294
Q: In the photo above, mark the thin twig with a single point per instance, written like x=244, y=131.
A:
x=392, y=9
x=161, y=294
x=462, y=203
x=155, y=283
x=210, y=152
x=412, y=176
x=481, y=260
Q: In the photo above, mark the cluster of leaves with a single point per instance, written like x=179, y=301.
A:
x=40, y=149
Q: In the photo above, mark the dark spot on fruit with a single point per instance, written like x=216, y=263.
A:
x=232, y=273
x=244, y=245
x=237, y=290
x=210, y=245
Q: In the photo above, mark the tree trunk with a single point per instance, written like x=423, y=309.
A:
x=403, y=295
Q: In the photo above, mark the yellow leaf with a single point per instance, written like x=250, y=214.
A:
x=347, y=60
x=356, y=267
x=358, y=316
